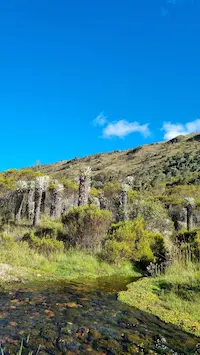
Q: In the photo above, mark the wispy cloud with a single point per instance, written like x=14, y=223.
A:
x=100, y=120
x=123, y=128
x=173, y=130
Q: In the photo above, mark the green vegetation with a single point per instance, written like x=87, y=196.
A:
x=131, y=241
x=45, y=246
x=9, y=178
x=174, y=297
x=94, y=192
x=153, y=212
x=88, y=241
x=69, y=185
x=111, y=189
x=33, y=262
x=49, y=229
x=86, y=226
x=187, y=245
x=175, y=162
x=61, y=250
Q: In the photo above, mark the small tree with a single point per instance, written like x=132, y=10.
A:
x=85, y=226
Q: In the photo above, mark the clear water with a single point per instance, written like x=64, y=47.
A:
x=84, y=318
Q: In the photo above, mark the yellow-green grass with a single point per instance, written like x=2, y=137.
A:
x=27, y=264
x=173, y=297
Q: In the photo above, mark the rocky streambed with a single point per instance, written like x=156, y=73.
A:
x=83, y=318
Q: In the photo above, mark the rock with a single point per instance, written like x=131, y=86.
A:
x=82, y=333
x=67, y=343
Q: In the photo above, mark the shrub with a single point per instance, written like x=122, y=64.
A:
x=45, y=246
x=9, y=178
x=86, y=226
x=70, y=186
x=130, y=241
x=155, y=215
x=49, y=228
x=94, y=192
x=112, y=189
x=133, y=195
x=6, y=183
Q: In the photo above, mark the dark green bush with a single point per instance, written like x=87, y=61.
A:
x=50, y=229
x=86, y=226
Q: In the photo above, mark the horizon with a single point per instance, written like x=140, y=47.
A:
x=78, y=79
x=96, y=153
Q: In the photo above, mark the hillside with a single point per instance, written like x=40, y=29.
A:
x=52, y=227
x=172, y=161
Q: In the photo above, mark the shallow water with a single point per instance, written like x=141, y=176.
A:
x=84, y=318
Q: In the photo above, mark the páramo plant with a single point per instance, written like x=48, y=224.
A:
x=86, y=226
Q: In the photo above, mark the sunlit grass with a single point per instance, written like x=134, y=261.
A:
x=28, y=264
x=174, y=297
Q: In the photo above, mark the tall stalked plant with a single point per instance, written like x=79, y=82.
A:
x=86, y=226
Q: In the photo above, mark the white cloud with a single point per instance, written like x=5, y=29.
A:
x=173, y=130
x=122, y=128
x=100, y=120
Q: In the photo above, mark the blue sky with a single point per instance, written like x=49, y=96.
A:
x=79, y=77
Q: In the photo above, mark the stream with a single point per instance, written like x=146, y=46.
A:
x=84, y=318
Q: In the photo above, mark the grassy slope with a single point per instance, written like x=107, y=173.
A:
x=127, y=162
x=173, y=297
x=144, y=163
